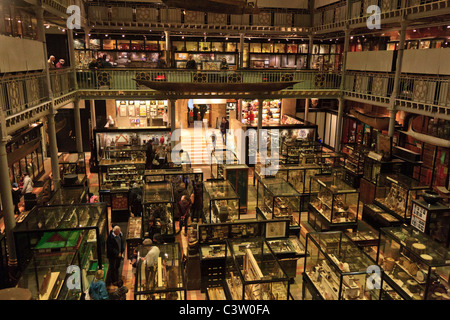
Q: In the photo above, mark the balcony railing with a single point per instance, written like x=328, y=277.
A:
x=122, y=79
x=21, y=92
x=422, y=89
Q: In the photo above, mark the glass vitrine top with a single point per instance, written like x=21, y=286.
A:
x=157, y=192
x=64, y=217
x=220, y=189
x=279, y=187
x=404, y=181
x=415, y=240
x=344, y=253
x=334, y=184
x=224, y=156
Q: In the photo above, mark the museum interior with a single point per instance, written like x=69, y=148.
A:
x=225, y=150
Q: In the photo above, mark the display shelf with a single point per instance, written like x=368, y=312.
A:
x=125, y=153
x=335, y=206
x=134, y=235
x=415, y=267
x=277, y=199
x=221, y=158
x=336, y=269
x=52, y=238
x=158, y=212
x=221, y=202
x=164, y=280
x=253, y=272
x=354, y=163
x=120, y=175
x=395, y=193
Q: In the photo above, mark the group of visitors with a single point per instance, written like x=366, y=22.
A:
x=100, y=63
x=58, y=65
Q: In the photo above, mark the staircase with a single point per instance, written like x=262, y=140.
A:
x=199, y=146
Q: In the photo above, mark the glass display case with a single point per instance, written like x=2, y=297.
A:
x=374, y=166
x=120, y=175
x=299, y=177
x=52, y=238
x=293, y=150
x=134, y=235
x=237, y=175
x=242, y=229
x=335, y=206
x=277, y=199
x=158, y=213
x=337, y=269
x=159, y=273
x=378, y=217
x=328, y=161
x=72, y=169
x=415, y=267
x=354, y=163
x=221, y=202
x=432, y=219
x=395, y=193
x=253, y=272
x=126, y=152
x=288, y=251
x=212, y=265
x=69, y=196
x=173, y=175
x=219, y=159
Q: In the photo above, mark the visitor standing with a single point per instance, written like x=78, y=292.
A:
x=224, y=126
x=51, y=62
x=115, y=247
x=16, y=194
x=97, y=288
x=191, y=64
x=60, y=64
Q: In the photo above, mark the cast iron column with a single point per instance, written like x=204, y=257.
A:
x=398, y=70
x=6, y=195
x=77, y=118
x=53, y=149
x=338, y=136
x=168, y=50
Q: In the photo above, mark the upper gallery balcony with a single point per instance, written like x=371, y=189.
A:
x=188, y=83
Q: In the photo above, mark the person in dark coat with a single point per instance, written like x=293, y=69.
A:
x=191, y=64
x=16, y=195
x=149, y=155
x=224, y=126
x=115, y=247
x=136, y=200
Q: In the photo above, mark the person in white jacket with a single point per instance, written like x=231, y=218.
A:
x=27, y=184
